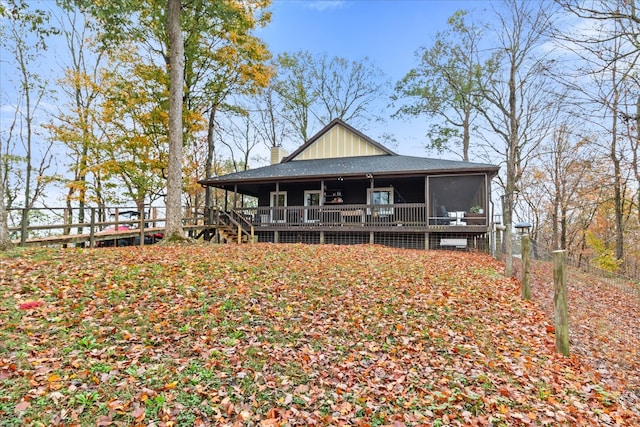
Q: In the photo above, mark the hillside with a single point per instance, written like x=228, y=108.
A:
x=275, y=335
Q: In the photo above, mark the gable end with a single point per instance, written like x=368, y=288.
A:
x=338, y=140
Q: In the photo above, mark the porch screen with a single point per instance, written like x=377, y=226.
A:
x=457, y=193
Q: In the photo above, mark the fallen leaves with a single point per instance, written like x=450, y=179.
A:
x=273, y=335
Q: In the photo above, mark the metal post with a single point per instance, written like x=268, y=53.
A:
x=526, y=266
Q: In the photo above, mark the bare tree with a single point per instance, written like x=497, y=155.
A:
x=270, y=122
x=314, y=91
x=75, y=126
x=240, y=138
x=609, y=50
x=24, y=35
x=518, y=107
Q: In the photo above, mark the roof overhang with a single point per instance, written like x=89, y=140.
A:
x=354, y=168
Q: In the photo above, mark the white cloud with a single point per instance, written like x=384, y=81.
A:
x=322, y=5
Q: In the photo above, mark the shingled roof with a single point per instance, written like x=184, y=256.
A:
x=387, y=165
x=359, y=157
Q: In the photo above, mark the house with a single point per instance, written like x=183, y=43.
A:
x=343, y=187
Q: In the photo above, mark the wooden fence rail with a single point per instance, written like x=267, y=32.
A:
x=56, y=226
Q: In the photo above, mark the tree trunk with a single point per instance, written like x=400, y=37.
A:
x=208, y=199
x=466, y=135
x=617, y=173
x=174, y=228
x=512, y=159
x=5, y=242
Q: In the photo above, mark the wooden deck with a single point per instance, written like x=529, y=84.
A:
x=398, y=224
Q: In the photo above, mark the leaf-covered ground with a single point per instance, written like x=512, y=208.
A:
x=604, y=326
x=281, y=335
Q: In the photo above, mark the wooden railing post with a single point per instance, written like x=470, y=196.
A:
x=561, y=315
x=92, y=229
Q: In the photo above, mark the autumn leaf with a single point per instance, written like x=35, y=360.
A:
x=30, y=305
x=294, y=335
x=22, y=406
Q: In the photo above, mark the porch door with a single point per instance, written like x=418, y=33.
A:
x=312, y=198
x=278, y=202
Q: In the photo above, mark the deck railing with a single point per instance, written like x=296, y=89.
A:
x=410, y=216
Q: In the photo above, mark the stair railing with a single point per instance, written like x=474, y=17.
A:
x=244, y=226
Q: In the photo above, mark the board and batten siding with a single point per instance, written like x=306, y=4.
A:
x=339, y=142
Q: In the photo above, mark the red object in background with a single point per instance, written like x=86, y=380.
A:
x=30, y=305
x=114, y=229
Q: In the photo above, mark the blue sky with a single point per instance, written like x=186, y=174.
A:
x=388, y=32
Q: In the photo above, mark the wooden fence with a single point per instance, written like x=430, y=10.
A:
x=94, y=226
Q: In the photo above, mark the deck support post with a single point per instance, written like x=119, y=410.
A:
x=276, y=237
x=371, y=238
x=426, y=241
x=322, y=237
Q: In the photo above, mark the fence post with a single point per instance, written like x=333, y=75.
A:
x=24, y=227
x=561, y=315
x=142, y=226
x=92, y=229
x=499, y=230
x=67, y=218
x=526, y=266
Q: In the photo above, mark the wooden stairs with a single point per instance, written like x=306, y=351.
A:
x=229, y=234
x=234, y=228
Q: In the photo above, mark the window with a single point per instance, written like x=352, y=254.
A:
x=311, y=198
x=278, y=202
x=380, y=196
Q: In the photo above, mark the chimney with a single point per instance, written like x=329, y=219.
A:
x=277, y=154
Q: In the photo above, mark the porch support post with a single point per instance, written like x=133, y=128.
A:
x=371, y=238
x=426, y=207
x=235, y=196
x=426, y=241
x=322, y=237
x=276, y=237
x=274, y=210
